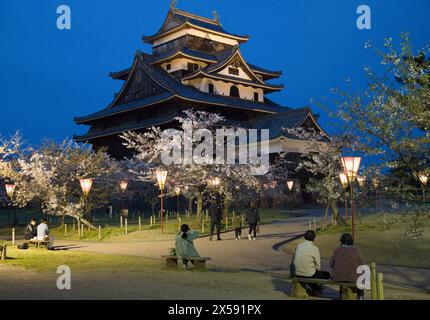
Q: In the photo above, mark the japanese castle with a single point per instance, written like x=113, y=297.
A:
x=195, y=63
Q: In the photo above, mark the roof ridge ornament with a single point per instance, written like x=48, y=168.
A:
x=216, y=16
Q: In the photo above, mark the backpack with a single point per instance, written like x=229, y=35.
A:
x=23, y=246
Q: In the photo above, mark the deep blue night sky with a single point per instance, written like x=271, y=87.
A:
x=47, y=76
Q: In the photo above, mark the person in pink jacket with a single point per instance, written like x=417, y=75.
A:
x=344, y=263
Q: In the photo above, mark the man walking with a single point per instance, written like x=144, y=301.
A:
x=253, y=218
x=215, y=212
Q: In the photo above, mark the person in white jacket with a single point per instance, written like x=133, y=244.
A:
x=43, y=233
x=307, y=263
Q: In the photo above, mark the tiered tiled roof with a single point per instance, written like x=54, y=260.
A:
x=182, y=19
x=174, y=88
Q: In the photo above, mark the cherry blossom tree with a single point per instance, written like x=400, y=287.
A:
x=190, y=176
x=391, y=116
x=53, y=173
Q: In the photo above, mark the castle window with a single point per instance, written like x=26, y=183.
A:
x=193, y=66
x=234, y=92
x=211, y=88
x=168, y=67
x=233, y=71
x=256, y=97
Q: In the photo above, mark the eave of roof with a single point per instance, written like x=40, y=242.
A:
x=121, y=75
x=134, y=105
x=221, y=77
x=185, y=52
x=164, y=119
x=263, y=71
x=275, y=123
x=290, y=119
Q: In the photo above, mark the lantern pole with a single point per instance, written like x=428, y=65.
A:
x=423, y=177
x=161, y=209
x=177, y=191
x=351, y=166
x=10, y=189
x=123, y=187
x=344, y=182
x=353, y=210
x=86, y=185
x=161, y=179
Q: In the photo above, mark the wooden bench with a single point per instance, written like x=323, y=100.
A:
x=199, y=263
x=298, y=291
x=37, y=243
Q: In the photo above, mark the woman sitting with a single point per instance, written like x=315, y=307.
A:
x=344, y=263
x=30, y=230
x=184, y=244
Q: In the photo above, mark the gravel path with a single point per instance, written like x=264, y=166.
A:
x=256, y=255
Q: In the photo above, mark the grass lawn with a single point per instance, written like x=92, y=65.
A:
x=102, y=276
x=46, y=260
x=380, y=242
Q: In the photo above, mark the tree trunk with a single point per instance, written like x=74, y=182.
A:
x=416, y=219
x=190, y=205
x=88, y=223
x=326, y=213
x=335, y=211
x=199, y=206
x=82, y=221
x=226, y=206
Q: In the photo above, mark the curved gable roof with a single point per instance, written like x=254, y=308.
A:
x=227, y=58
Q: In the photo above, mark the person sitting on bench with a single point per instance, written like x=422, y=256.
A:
x=307, y=263
x=344, y=263
x=30, y=230
x=185, y=245
x=43, y=233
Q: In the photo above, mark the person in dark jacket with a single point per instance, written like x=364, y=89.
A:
x=344, y=263
x=253, y=218
x=215, y=212
x=30, y=230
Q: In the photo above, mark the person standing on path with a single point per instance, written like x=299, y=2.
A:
x=215, y=212
x=253, y=218
x=237, y=224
